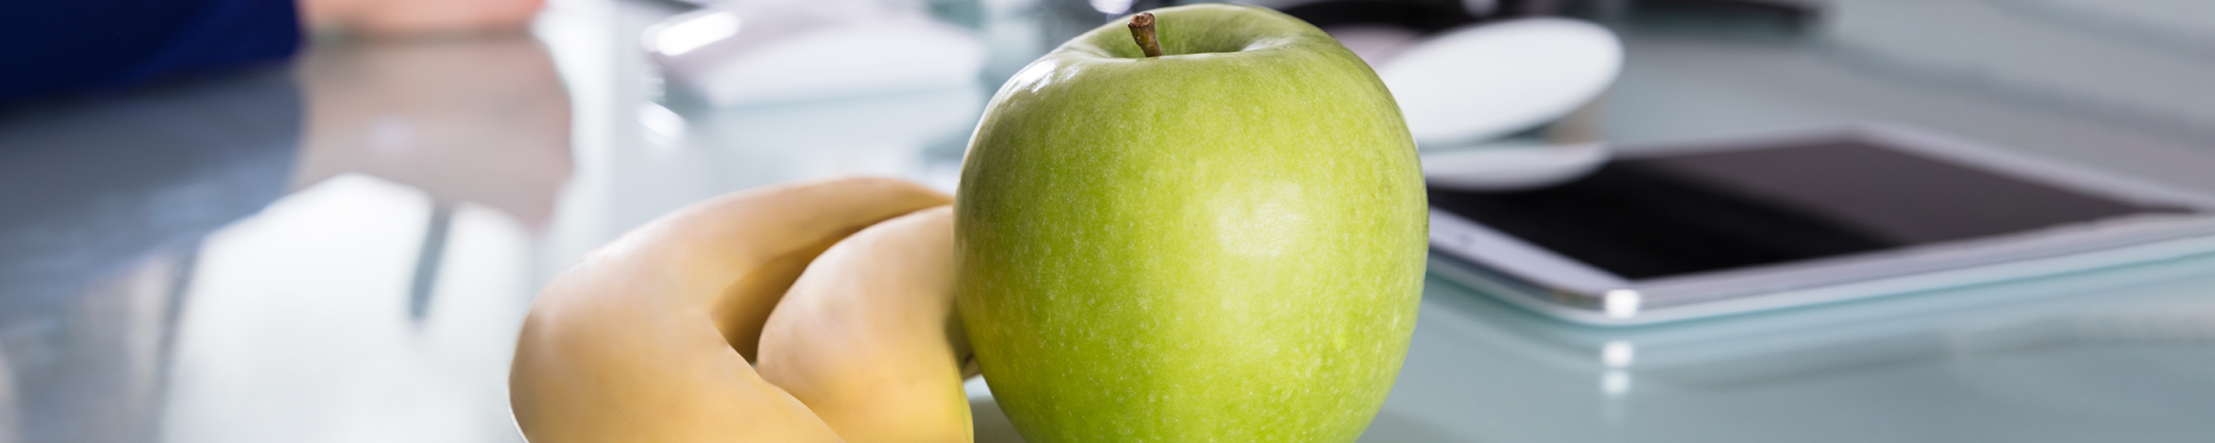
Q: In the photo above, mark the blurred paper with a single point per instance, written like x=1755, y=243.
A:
x=771, y=51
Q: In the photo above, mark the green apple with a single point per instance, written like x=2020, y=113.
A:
x=1222, y=243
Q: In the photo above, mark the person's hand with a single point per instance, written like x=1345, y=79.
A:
x=396, y=18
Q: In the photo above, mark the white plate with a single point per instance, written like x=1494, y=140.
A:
x=1483, y=81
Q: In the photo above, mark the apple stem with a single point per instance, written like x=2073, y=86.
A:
x=1142, y=29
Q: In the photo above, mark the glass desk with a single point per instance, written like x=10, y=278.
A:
x=342, y=249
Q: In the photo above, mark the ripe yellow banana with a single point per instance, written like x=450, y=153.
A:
x=647, y=339
x=868, y=337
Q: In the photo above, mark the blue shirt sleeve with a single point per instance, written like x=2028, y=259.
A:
x=49, y=47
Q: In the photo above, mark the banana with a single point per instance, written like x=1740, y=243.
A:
x=647, y=339
x=868, y=337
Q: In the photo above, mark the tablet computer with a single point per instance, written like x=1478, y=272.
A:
x=1701, y=228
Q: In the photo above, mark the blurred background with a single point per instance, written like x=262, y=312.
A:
x=337, y=240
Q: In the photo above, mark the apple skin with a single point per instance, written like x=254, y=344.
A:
x=1225, y=243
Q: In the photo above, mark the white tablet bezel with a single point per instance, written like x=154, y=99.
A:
x=1531, y=276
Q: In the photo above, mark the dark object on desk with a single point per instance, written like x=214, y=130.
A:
x=1793, y=11
x=1799, y=12
x=1675, y=215
x=1425, y=18
x=1686, y=230
x=1428, y=17
x=1732, y=18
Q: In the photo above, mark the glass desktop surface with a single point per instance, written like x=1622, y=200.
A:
x=341, y=249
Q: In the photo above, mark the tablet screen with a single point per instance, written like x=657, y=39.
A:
x=1670, y=215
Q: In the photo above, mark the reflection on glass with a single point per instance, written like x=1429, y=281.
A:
x=692, y=33
x=480, y=120
x=664, y=126
x=123, y=319
x=103, y=200
x=299, y=326
x=1615, y=382
x=1617, y=354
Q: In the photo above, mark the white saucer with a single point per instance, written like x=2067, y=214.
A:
x=1484, y=81
x=1514, y=167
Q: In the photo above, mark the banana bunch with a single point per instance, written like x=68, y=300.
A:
x=839, y=293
